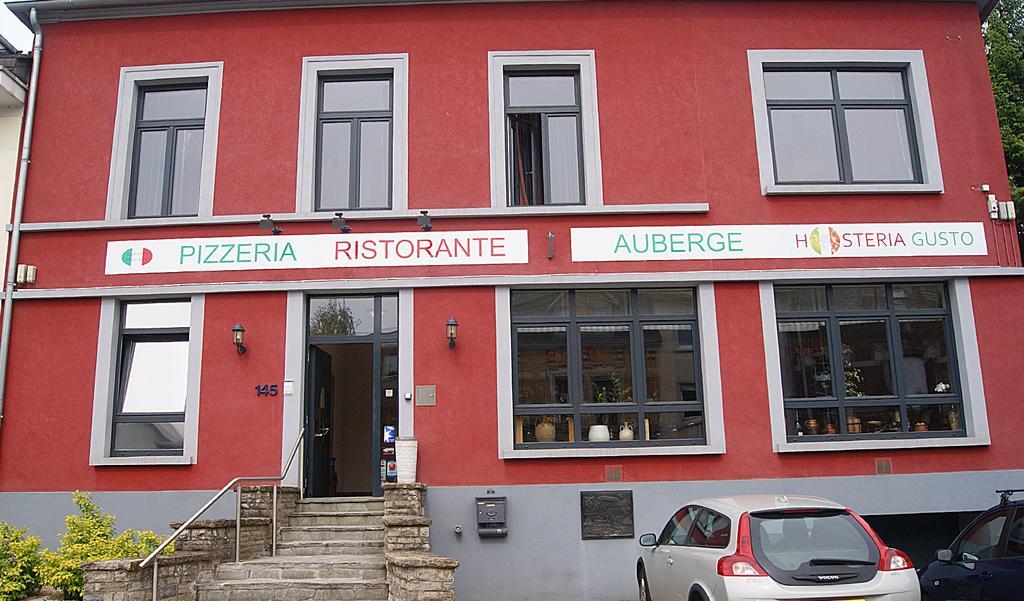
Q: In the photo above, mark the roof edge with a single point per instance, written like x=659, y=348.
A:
x=54, y=11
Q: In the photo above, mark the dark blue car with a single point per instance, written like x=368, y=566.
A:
x=985, y=562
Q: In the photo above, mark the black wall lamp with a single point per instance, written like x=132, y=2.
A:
x=451, y=329
x=238, y=336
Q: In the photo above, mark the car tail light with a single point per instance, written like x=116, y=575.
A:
x=742, y=562
x=892, y=559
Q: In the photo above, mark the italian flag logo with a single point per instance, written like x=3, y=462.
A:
x=136, y=257
x=833, y=241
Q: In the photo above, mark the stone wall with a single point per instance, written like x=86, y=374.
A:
x=197, y=552
x=416, y=576
x=122, y=580
x=404, y=499
x=217, y=538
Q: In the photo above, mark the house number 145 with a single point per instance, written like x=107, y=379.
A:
x=266, y=390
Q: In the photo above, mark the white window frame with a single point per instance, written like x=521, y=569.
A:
x=315, y=66
x=921, y=104
x=968, y=361
x=132, y=78
x=497, y=63
x=711, y=381
x=105, y=386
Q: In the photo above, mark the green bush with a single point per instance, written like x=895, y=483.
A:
x=19, y=563
x=90, y=536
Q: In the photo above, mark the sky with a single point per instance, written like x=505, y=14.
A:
x=12, y=29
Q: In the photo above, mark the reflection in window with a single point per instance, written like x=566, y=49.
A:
x=352, y=315
x=149, y=412
x=898, y=375
x=542, y=365
x=574, y=379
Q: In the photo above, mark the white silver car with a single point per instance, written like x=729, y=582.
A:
x=768, y=548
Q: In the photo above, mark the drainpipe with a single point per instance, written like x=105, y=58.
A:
x=19, y=206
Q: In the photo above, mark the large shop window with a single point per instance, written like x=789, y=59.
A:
x=868, y=361
x=165, y=142
x=545, y=137
x=353, y=134
x=843, y=121
x=354, y=123
x=600, y=368
x=149, y=410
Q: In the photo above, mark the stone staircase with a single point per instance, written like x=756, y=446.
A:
x=329, y=549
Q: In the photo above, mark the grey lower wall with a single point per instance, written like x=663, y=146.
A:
x=43, y=512
x=544, y=557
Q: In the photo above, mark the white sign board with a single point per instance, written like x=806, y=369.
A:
x=778, y=241
x=485, y=247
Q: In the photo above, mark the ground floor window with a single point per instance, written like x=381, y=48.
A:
x=606, y=368
x=868, y=361
x=153, y=357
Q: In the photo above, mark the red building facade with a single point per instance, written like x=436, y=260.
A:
x=692, y=248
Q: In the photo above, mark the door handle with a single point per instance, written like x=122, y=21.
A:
x=322, y=432
x=986, y=575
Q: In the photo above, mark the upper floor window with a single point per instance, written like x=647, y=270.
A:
x=868, y=361
x=545, y=138
x=353, y=134
x=841, y=126
x=167, y=159
x=843, y=121
x=165, y=142
x=354, y=125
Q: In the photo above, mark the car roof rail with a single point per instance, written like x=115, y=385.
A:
x=1006, y=493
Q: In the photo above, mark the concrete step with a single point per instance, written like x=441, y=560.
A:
x=359, y=567
x=341, y=504
x=336, y=518
x=323, y=533
x=330, y=547
x=268, y=589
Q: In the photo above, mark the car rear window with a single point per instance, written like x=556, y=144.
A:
x=813, y=547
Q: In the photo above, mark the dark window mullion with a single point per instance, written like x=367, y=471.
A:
x=575, y=369
x=842, y=139
x=354, y=159
x=167, y=206
x=896, y=357
x=835, y=345
x=545, y=160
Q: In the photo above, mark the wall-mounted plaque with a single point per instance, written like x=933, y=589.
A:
x=606, y=514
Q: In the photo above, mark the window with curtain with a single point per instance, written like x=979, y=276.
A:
x=544, y=137
x=167, y=157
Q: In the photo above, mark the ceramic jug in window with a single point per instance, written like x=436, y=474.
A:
x=626, y=431
x=544, y=431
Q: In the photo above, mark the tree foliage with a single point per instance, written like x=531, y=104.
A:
x=1004, y=46
x=90, y=536
x=332, y=318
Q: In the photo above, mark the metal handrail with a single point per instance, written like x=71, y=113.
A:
x=239, y=482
